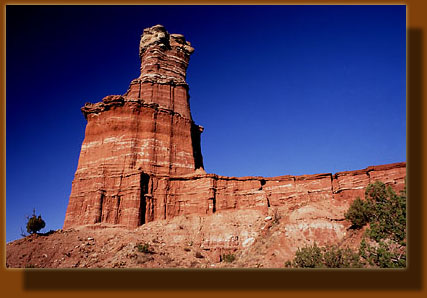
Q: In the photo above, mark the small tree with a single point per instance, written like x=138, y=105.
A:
x=384, y=210
x=35, y=223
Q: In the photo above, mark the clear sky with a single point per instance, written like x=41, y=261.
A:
x=279, y=89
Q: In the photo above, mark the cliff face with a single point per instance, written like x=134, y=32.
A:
x=208, y=193
x=310, y=207
x=141, y=161
x=147, y=131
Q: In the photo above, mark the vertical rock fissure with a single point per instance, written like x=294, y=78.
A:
x=152, y=210
x=171, y=128
x=102, y=191
x=101, y=202
x=154, y=162
x=117, y=220
x=144, y=181
x=262, y=183
x=165, y=199
x=119, y=188
x=214, y=185
x=369, y=176
x=332, y=183
x=133, y=148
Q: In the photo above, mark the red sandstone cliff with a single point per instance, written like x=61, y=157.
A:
x=141, y=161
x=146, y=132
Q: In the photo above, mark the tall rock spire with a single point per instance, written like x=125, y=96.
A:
x=164, y=56
x=164, y=60
x=146, y=132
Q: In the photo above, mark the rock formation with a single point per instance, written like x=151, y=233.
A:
x=141, y=161
x=144, y=133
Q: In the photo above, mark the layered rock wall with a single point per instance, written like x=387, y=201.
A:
x=208, y=193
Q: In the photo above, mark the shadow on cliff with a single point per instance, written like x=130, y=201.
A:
x=258, y=279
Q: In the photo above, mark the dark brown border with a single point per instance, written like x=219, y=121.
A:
x=409, y=282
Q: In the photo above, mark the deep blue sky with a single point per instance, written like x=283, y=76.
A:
x=279, y=89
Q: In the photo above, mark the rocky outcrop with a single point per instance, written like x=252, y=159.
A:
x=147, y=131
x=204, y=194
x=141, y=161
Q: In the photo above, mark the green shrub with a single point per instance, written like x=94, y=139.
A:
x=383, y=209
x=385, y=254
x=358, y=213
x=145, y=248
x=324, y=257
x=386, y=243
x=35, y=223
x=389, y=220
x=334, y=257
x=228, y=258
x=308, y=257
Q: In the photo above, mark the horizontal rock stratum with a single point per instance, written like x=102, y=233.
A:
x=141, y=161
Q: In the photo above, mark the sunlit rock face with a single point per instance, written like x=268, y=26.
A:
x=141, y=161
x=146, y=132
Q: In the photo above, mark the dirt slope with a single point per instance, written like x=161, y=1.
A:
x=253, y=239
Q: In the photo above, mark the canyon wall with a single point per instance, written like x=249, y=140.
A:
x=203, y=194
x=141, y=161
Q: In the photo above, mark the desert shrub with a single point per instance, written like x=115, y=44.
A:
x=228, y=258
x=35, y=223
x=383, y=254
x=335, y=257
x=324, y=257
x=308, y=257
x=358, y=213
x=144, y=248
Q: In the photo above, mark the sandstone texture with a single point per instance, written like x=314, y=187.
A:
x=141, y=164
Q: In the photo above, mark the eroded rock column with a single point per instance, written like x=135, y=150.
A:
x=146, y=132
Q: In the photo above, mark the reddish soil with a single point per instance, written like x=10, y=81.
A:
x=255, y=241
